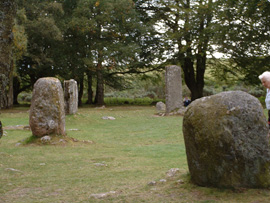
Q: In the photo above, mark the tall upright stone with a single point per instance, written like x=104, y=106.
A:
x=71, y=96
x=47, y=113
x=174, y=98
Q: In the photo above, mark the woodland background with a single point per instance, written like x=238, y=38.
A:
x=119, y=48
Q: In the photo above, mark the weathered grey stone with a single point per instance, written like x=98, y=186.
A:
x=172, y=172
x=13, y=170
x=108, y=118
x=160, y=106
x=152, y=183
x=174, y=98
x=226, y=138
x=102, y=195
x=163, y=180
x=71, y=96
x=181, y=111
x=180, y=181
x=47, y=114
x=45, y=139
x=100, y=164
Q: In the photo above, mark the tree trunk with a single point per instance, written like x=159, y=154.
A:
x=194, y=75
x=10, y=91
x=1, y=130
x=99, y=99
x=7, y=10
x=80, y=95
x=16, y=90
x=89, y=90
x=195, y=82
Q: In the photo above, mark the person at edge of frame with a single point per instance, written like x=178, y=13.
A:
x=265, y=79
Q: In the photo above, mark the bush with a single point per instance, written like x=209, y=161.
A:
x=24, y=97
x=208, y=90
x=257, y=92
x=129, y=101
x=262, y=100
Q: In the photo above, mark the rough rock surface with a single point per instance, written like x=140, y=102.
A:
x=227, y=144
x=174, y=99
x=71, y=96
x=160, y=106
x=47, y=114
x=102, y=195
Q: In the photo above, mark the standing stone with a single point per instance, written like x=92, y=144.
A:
x=226, y=139
x=71, y=96
x=47, y=113
x=174, y=99
x=160, y=106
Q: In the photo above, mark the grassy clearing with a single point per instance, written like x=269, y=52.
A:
x=124, y=155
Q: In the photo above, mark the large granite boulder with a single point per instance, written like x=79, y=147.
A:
x=47, y=113
x=226, y=138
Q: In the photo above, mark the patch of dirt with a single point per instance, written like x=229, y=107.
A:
x=18, y=193
x=55, y=140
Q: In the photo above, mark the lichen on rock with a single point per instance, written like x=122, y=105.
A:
x=226, y=138
x=47, y=114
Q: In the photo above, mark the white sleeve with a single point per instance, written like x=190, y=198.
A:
x=267, y=99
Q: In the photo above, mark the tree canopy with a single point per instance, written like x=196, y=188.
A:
x=243, y=36
x=195, y=29
x=104, y=40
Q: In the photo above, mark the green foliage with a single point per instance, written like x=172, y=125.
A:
x=145, y=101
x=262, y=100
x=67, y=39
x=111, y=30
x=25, y=97
x=257, y=91
x=198, y=28
x=214, y=85
x=223, y=75
x=20, y=41
x=186, y=33
x=110, y=39
x=241, y=35
x=142, y=90
x=29, y=140
x=39, y=23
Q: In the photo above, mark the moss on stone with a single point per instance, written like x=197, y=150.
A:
x=226, y=145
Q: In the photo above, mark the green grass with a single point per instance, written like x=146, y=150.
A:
x=136, y=148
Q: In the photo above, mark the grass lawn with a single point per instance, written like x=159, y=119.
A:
x=122, y=157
